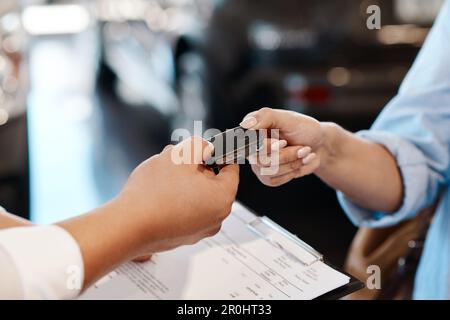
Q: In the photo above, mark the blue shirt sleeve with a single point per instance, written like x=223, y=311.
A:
x=415, y=128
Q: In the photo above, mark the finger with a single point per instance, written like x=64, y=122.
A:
x=279, y=170
x=249, y=121
x=277, y=145
x=297, y=168
x=229, y=174
x=285, y=155
x=269, y=142
x=265, y=179
x=168, y=147
x=279, y=180
x=265, y=118
x=310, y=167
x=143, y=258
x=290, y=171
x=213, y=231
x=292, y=126
x=262, y=155
x=192, y=151
x=277, y=148
x=303, y=152
x=255, y=169
x=229, y=178
x=309, y=158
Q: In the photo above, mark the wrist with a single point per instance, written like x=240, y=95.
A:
x=107, y=237
x=329, y=148
x=133, y=219
x=139, y=219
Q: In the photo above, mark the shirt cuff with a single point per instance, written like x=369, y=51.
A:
x=47, y=259
x=414, y=171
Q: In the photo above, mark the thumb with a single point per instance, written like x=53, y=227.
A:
x=264, y=118
x=193, y=150
x=296, y=128
x=229, y=174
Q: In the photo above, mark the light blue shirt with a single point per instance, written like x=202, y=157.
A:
x=415, y=127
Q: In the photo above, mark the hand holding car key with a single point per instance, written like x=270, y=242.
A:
x=272, y=159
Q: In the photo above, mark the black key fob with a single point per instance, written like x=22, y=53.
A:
x=234, y=146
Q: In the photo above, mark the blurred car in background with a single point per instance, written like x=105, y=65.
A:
x=218, y=60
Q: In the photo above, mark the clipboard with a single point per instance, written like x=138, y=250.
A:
x=252, y=257
x=338, y=293
x=263, y=226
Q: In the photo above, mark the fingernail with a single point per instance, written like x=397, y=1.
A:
x=309, y=158
x=303, y=152
x=277, y=145
x=248, y=122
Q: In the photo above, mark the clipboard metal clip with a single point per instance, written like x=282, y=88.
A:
x=279, y=237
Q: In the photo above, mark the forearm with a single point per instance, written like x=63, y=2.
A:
x=106, y=237
x=363, y=170
x=8, y=220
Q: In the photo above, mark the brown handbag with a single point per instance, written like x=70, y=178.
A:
x=396, y=250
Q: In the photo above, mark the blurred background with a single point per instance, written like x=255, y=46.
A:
x=88, y=89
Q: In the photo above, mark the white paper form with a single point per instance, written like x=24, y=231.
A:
x=234, y=264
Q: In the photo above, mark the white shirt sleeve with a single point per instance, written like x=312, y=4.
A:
x=42, y=262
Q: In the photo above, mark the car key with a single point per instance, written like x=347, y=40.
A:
x=234, y=146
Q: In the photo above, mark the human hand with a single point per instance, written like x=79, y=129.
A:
x=297, y=149
x=176, y=204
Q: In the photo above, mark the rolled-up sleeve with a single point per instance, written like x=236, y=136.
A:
x=39, y=263
x=415, y=128
x=420, y=184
